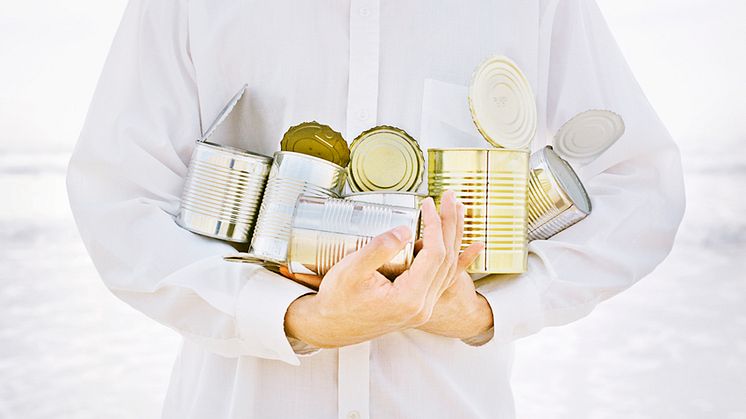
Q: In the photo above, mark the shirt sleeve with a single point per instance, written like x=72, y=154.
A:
x=636, y=187
x=125, y=179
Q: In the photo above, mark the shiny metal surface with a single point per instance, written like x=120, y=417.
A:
x=222, y=192
x=292, y=175
x=492, y=185
x=398, y=199
x=317, y=140
x=326, y=230
x=556, y=196
x=385, y=158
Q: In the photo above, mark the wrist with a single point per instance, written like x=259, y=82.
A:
x=480, y=317
x=302, y=320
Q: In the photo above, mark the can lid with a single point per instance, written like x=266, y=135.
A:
x=568, y=180
x=588, y=134
x=502, y=104
x=318, y=140
x=385, y=158
x=223, y=115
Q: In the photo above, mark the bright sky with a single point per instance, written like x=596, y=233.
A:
x=687, y=54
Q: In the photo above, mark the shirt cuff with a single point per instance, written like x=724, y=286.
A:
x=260, y=314
x=515, y=304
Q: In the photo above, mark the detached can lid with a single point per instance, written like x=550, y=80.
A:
x=318, y=140
x=502, y=104
x=385, y=158
x=588, y=134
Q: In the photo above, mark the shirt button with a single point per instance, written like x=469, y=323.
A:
x=353, y=415
x=364, y=12
x=363, y=114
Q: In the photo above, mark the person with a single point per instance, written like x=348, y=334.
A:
x=435, y=344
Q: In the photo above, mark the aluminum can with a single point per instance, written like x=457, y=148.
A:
x=292, y=175
x=326, y=230
x=223, y=187
x=557, y=198
x=492, y=185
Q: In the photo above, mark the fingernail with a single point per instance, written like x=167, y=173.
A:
x=402, y=233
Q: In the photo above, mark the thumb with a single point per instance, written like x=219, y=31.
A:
x=377, y=252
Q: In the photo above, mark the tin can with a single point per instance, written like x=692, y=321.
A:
x=223, y=187
x=326, y=230
x=292, y=175
x=557, y=198
x=397, y=199
x=385, y=158
x=492, y=184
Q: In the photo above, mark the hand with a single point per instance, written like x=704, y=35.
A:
x=461, y=312
x=355, y=303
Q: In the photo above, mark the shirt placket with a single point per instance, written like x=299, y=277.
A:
x=362, y=113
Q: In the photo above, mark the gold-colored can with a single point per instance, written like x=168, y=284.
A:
x=318, y=140
x=492, y=185
x=557, y=198
x=385, y=158
x=325, y=230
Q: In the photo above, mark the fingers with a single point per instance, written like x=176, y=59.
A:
x=469, y=255
x=449, y=221
x=377, y=252
x=425, y=266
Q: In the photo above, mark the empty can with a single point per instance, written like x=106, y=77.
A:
x=223, y=187
x=492, y=184
x=292, y=175
x=557, y=198
x=326, y=230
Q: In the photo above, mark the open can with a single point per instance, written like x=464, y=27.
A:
x=492, y=184
x=292, y=175
x=223, y=187
x=557, y=198
x=326, y=230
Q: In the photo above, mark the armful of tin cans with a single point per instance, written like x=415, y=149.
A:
x=292, y=211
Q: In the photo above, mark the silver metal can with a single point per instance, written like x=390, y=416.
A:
x=398, y=199
x=326, y=230
x=292, y=175
x=557, y=198
x=223, y=187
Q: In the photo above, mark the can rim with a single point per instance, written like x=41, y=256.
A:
x=385, y=193
x=307, y=156
x=236, y=149
x=551, y=159
x=407, y=139
x=489, y=149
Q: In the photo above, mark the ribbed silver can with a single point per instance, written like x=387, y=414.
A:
x=557, y=198
x=397, y=199
x=326, y=230
x=222, y=192
x=292, y=175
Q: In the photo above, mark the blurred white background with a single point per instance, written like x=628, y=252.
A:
x=674, y=346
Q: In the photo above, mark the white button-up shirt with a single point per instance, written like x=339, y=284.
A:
x=352, y=64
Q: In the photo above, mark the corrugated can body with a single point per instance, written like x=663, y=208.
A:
x=556, y=197
x=222, y=192
x=292, y=175
x=397, y=199
x=326, y=230
x=492, y=185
